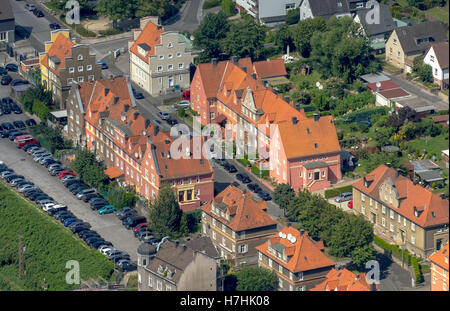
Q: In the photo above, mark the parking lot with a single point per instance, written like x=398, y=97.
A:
x=108, y=226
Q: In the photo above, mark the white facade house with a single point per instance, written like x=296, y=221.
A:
x=324, y=8
x=438, y=58
x=268, y=12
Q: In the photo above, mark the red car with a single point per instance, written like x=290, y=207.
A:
x=350, y=204
x=65, y=173
x=186, y=95
x=138, y=227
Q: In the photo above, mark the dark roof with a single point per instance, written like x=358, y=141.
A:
x=202, y=244
x=442, y=55
x=6, y=12
x=409, y=36
x=146, y=249
x=386, y=24
x=328, y=8
x=430, y=176
x=313, y=165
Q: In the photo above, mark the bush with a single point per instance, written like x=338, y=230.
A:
x=293, y=16
x=208, y=4
x=331, y=193
x=417, y=273
x=41, y=110
x=181, y=112
x=110, y=32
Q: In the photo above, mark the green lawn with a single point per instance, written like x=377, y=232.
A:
x=48, y=248
x=439, y=13
x=433, y=145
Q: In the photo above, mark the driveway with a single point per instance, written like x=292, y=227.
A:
x=108, y=226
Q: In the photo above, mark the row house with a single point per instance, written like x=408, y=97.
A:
x=303, y=152
x=402, y=211
x=178, y=266
x=159, y=60
x=296, y=259
x=7, y=23
x=237, y=224
x=132, y=146
x=64, y=62
x=439, y=269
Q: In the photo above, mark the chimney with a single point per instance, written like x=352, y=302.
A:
x=316, y=117
x=147, y=123
x=288, y=224
x=301, y=232
x=106, y=91
x=287, y=99
x=155, y=130
x=123, y=117
x=399, y=172
x=214, y=61
x=116, y=100
x=234, y=59
x=244, y=68
x=254, y=76
x=388, y=164
x=125, y=108
x=266, y=84
x=294, y=120
x=136, y=114
x=111, y=77
x=442, y=195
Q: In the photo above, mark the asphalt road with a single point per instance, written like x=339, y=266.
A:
x=188, y=18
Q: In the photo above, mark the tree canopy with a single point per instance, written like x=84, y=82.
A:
x=256, y=279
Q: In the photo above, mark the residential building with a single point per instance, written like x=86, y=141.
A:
x=377, y=33
x=343, y=281
x=402, y=211
x=102, y=116
x=445, y=155
x=297, y=260
x=228, y=94
x=427, y=172
x=406, y=43
x=324, y=8
x=178, y=266
x=159, y=60
x=442, y=119
x=7, y=23
x=268, y=12
x=64, y=62
x=439, y=269
x=237, y=224
x=29, y=64
x=438, y=58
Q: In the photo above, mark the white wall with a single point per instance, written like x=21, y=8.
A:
x=431, y=59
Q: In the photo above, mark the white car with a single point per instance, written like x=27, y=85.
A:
x=29, y=7
x=50, y=206
x=184, y=104
x=7, y=173
x=164, y=115
x=107, y=251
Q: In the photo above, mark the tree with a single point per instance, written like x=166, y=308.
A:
x=426, y=73
x=303, y=32
x=283, y=38
x=161, y=8
x=245, y=39
x=283, y=195
x=208, y=36
x=116, y=9
x=184, y=228
x=165, y=213
x=293, y=16
x=321, y=100
x=41, y=110
x=256, y=279
x=89, y=169
x=382, y=136
x=361, y=255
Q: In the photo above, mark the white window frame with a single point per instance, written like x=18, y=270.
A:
x=82, y=68
x=71, y=69
x=88, y=67
x=80, y=57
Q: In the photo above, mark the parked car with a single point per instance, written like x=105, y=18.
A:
x=30, y=122
x=138, y=95
x=16, y=82
x=134, y=221
x=108, y=209
x=140, y=226
x=65, y=173
x=254, y=187
x=350, y=204
x=264, y=195
x=3, y=71
x=346, y=196
x=84, y=192
x=6, y=80
x=184, y=104
x=38, y=13
x=54, y=26
x=164, y=115
x=243, y=178
x=123, y=211
x=29, y=6
x=127, y=266
x=12, y=67
x=230, y=168
x=19, y=124
x=127, y=214
x=104, y=65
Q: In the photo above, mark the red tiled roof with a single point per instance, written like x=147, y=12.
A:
x=270, y=68
x=385, y=85
x=151, y=36
x=307, y=255
x=435, y=209
x=244, y=212
x=113, y=172
x=61, y=48
x=441, y=118
x=394, y=93
x=343, y=280
x=441, y=257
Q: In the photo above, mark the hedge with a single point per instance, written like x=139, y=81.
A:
x=417, y=273
x=330, y=193
x=208, y=4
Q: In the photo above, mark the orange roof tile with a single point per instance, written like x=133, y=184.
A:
x=317, y=137
x=151, y=36
x=440, y=257
x=307, y=255
x=435, y=209
x=245, y=213
x=343, y=280
x=270, y=68
x=113, y=172
x=61, y=48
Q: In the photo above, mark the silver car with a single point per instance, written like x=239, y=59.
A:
x=346, y=196
x=27, y=187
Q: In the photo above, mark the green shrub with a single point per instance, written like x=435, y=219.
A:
x=41, y=110
x=181, y=112
x=293, y=16
x=110, y=32
x=417, y=273
x=84, y=32
x=330, y=193
x=208, y=4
